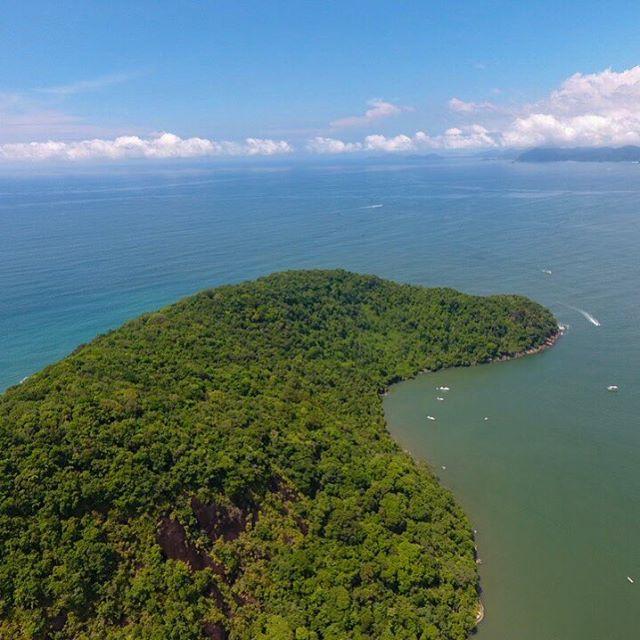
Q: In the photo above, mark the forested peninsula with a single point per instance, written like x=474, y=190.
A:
x=221, y=469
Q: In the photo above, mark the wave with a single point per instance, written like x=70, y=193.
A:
x=373, y=206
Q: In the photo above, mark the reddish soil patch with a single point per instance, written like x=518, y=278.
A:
x=219, y=521
x=215, y=631
x=173, y=541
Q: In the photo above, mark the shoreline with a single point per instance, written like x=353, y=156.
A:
x=550, y=342
x=547, y=344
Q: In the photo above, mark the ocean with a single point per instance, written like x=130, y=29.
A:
x=550, y=479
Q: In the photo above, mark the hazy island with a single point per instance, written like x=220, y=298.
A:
x=221, y=469
x=629, y=153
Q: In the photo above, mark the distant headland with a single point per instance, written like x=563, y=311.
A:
x=630, y=153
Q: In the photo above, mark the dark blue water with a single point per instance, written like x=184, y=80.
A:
x=553, y=485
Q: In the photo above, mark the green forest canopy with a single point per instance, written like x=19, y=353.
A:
x=221, y=469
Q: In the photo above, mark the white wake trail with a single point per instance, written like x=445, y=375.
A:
x=585, y=314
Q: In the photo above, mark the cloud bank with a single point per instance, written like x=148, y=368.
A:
x=586, y=110
x=470, y=137
x=165, y=145
x=590, y=110
x=595, y=109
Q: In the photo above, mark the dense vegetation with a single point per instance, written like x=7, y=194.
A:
x=221, y=469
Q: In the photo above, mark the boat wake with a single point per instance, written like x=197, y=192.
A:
x=586, y=314
x=589, y=317
x=373, y=206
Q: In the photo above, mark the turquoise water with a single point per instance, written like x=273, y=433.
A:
x=549, y=480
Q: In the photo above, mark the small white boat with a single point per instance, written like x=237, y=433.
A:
x=444, y=467
x=612, y=387
x=442, y=388
x=547, y=272
x=440, y=398
x=631, y=580
x=485, y=418
x=430, y=418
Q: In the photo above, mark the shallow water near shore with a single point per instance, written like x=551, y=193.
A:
x=550, y=480
x=548, y=483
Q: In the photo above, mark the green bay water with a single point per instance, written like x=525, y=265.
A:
x=550, y=480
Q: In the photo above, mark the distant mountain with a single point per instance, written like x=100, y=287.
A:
x=629, y=153
x=495, y=154
x=399, y=158
x=421, y=157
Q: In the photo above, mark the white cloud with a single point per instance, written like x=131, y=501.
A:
x=394, y=144
x=455, y=104
x=586, y=110
x=597, y=92
x=589, y=130
x=320, y=144
x=165, y=145
x=474, y=136
x=83, y=86
x=378, y=110
x=471, y=137
x=594, y=109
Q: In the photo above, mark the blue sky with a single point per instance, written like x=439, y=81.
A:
x=284, y=71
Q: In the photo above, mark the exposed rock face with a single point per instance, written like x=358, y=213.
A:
x=215, y=631
x=219, y=521
x=175, y=545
